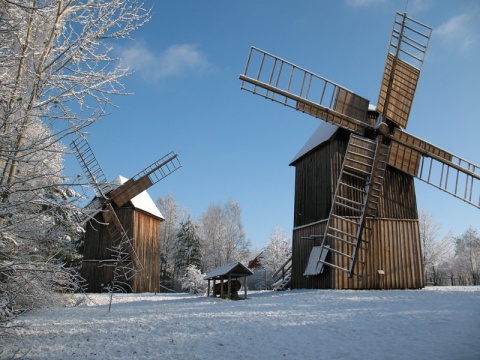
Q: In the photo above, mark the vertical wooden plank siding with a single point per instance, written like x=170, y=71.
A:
x=316, y=177
x=394, y=249
x=144, y=229
x=147, y=247
x=300, y=253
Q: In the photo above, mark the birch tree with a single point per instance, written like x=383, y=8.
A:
x=223, y=236
x=57, y=76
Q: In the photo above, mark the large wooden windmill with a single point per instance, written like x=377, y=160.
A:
x=121, y=247
x=356, y=220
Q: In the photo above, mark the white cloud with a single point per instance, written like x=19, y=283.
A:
x=459, y=32
x=177, y=60
x=414, y=7
x=360, y=3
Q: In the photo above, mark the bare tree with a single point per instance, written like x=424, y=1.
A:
x=436, y=250
x=168, y=237
x=223, y=236
x=467, y=253
x=235, y=246
x=212, y=232
x=57, y=77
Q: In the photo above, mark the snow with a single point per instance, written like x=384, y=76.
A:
x=142, y=201
x=433, y=323
x=323, y=133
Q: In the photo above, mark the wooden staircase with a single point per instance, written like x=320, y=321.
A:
x=283, y=276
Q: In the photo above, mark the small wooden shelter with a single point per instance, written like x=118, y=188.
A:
x=393, y=259
x=141, y=220
x=229, y=284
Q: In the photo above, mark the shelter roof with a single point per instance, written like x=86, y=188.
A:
x=234, y=270
x=142, y=201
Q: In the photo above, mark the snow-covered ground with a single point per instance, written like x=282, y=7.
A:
x=434, y=323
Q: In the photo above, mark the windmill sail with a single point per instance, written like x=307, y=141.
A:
x=146, y=178
x=406, y=54
x=435, y=166
x=284, y=82
x=91, y=168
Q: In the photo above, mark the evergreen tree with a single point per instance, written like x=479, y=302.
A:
x=187, y=248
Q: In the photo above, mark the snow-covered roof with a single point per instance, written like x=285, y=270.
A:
x=323, y=133
x=142, y=201
x=234, y=269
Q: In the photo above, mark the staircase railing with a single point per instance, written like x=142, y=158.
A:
x=283, y=272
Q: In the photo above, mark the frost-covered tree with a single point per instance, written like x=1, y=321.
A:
x=187, y=248
x=57, y=76
x=37, y=228
x=236, y=247
x=467, y=254
x=168, y=237
x=223, y=236
x=277, y=251
x=436, y=250
x=193, y=281
x=212, y=231
x=57, y=66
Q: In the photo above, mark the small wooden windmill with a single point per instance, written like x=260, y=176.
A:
x=121, y=247
x=356, y=221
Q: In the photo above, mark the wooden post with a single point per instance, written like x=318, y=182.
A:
x=229, y=287
x=208, y=290
x=221, y=287
x=245, y=285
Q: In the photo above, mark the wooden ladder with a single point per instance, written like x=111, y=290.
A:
x=356, y=197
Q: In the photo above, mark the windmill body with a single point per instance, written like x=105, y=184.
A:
x=356, y=220
x=391, y=258
x=141, y=221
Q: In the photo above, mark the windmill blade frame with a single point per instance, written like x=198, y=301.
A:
x=435, y=166
x=281, y=81
x=405, y=57
x=91, y=168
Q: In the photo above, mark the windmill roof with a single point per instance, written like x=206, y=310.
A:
x=142, y=201
x=234, y=269
x=324, y=132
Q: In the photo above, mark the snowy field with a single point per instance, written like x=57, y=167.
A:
x=434, y=323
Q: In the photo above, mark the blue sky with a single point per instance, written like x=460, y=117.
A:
x=234, y=145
